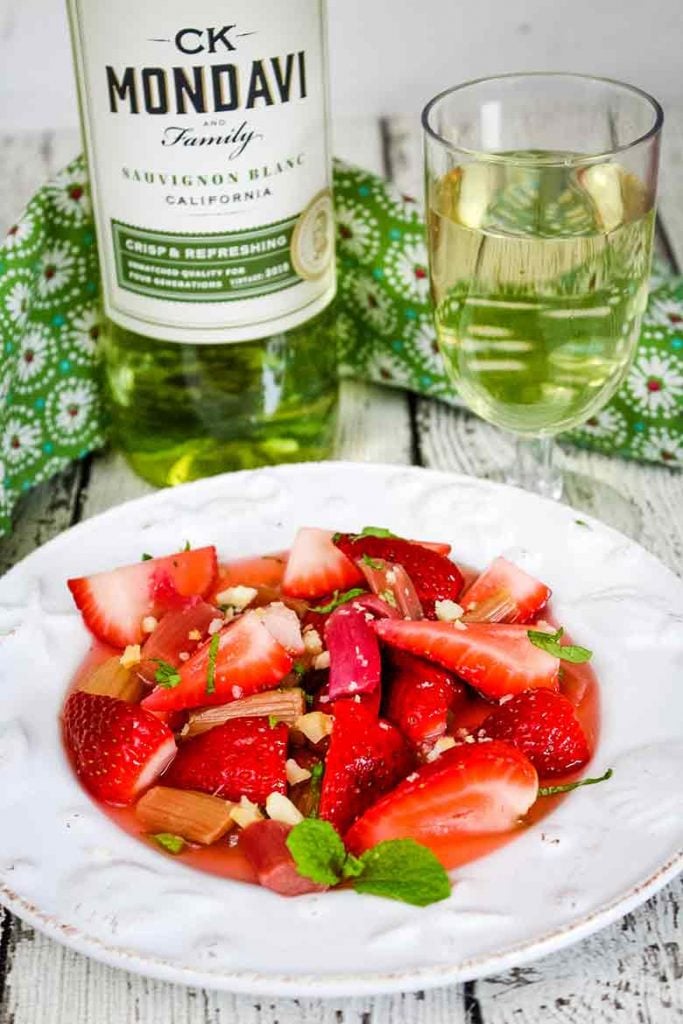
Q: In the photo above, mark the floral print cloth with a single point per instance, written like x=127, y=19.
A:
x=50, y=412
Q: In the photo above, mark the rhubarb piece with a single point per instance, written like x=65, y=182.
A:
x=242, y=659
x=244, y=756
x=111, y=679
x=176, y=638
x=543, y=725
x=198, y=817
x=420, y=698
x=471, y=789
x=355, y=664
x=265, y=847
x=316, y=567
x=281, y=705
x=390, y=582
x=496, y=659
x=434, y=576
x=113, y=604
x=117, y=749
x=366, y=758
x=504, y=593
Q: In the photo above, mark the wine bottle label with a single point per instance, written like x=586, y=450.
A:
x=206, y=134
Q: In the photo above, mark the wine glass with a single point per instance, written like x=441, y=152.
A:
x=540, y=197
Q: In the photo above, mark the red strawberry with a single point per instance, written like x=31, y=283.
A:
x=366, y=758
x=544, y=726
x=242, y=757
x=265, y=847
x=434, y=576
x=420, y=698
x=504, y=593
x=440, y=547
x=248, y=659
x=471, y=789
x=254, y=571
x=494, y=658
x=117, y=749
x=316, y=567
x=113, y=604
x=176, y=633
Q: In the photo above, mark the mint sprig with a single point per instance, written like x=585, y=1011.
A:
x=550, y=642
x=396, y=869
x=567, y=787
x=166, y=674
x=211, y=668
x=337, y=599
x=374, y=531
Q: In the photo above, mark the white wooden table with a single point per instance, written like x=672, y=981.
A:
x=630, y=972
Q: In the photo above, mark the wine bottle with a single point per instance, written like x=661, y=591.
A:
x=206, y=136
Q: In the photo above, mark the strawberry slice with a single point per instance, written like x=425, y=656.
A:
x=117, y=749
x=471, y=789
x=440, y=547
x=264, y=844
x=434, y=576
x=113, y=604
x=246, y=659
x=242, y=757
x=496, y=659
x=421, y=697
x=260, y=571
x=504, y=593
x=366, y=758
x=316, y=567
x=355, y=664
x=544, y=726
x=177, y=632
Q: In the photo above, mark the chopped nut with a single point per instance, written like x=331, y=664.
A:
x=281, y=808
x=448, y=611
x=237, y=597
x=111, y=679
x=215, y=625
x=315, y=725
x=322, y=660
x=149, y=624
x=194, y=634
x=131, y=656
x=183, y=656
x=245, y=813
x=295, y=773
x=459, y=624
x=195, y=816
x=285, y=705
x=312, y=642
x=443, y=743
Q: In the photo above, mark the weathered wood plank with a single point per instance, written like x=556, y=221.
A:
x=671, y=186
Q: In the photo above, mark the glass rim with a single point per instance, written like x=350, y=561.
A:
x=582, y=159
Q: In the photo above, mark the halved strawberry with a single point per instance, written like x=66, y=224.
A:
x=471, y=789
x=177, y=632
x=113, y=604
x=247, y=659
x=264, y=844
x=544, y=726
x=440, y=547
x=504, y=593
x=254, y=571
x=496, y=659
x=242, y=757
x=355, y=663
x=366, y=758
x=434, y=576
x=420, y=697
x=316, y=567
x=117, y=749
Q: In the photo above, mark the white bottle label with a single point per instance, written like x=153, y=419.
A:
x=206, y=131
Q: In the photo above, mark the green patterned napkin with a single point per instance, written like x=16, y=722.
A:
x=50, y=411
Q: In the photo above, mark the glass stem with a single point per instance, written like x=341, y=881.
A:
x=534, y=467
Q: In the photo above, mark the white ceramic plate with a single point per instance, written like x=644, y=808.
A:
x=67, y=870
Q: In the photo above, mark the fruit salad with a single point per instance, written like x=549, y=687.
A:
x=359, y=711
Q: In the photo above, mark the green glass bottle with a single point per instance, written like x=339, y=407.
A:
x=207, y=143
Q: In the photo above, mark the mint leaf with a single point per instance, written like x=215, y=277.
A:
x=318, y=851
x=171, y=843
x=401, y=869
x=373, y=531
x=372, y=562
x=582, y=522
x=211, y=669
x=272, y=721
x=550, y=642
x=567, y=787
x=146, y=557
x=388, y=597
x=188, y=546
x=299, y=668
x=315, y=788
x=337, y=599
x=353, y=867
x=166, y=675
